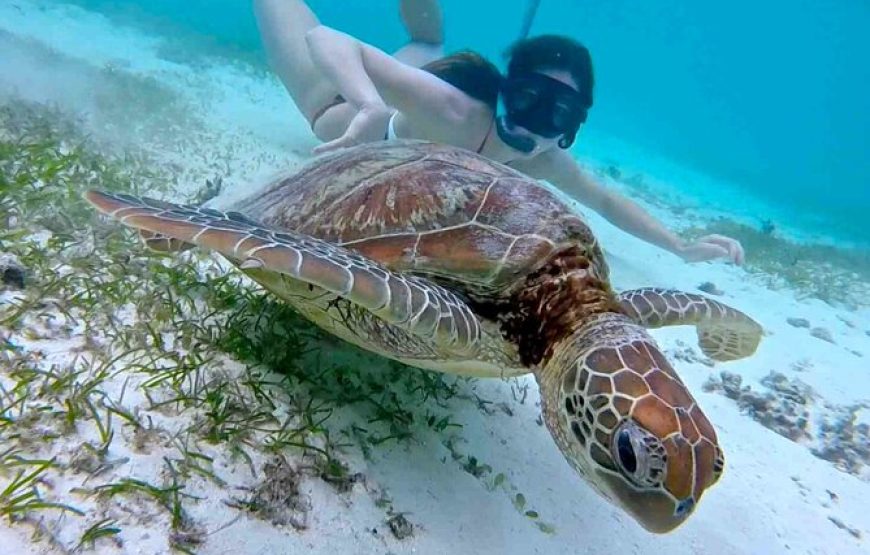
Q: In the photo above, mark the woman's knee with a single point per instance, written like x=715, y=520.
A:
x=418, y=54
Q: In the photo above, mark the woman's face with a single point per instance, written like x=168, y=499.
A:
x=544, y=144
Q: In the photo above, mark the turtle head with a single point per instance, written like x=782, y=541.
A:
x=626, y=422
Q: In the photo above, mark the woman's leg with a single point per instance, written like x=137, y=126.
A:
x=283, y=24
x=424, y=21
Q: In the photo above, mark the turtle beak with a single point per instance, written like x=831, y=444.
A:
x=656, y=512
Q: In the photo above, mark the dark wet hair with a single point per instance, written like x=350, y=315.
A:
x=471, y=73
x=553, y=52
x=479, y=78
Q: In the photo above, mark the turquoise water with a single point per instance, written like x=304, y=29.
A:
x=765, y=100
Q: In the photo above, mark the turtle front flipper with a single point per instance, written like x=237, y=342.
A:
x=724, y=333
x=160, y=243
x=407, y=302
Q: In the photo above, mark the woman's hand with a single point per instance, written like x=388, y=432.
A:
x=710, y=247
x=368, y=125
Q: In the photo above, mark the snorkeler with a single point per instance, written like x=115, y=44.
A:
x=351, y=92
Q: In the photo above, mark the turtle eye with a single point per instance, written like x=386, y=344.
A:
x=625, y=452
x=640, y=455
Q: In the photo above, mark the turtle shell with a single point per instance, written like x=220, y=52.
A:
x=430, y=209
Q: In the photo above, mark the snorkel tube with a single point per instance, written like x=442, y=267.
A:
x=522, y=143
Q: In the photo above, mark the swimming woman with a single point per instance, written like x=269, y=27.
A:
x=351, y=92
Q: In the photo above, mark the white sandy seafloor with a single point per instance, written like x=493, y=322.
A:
x=776, y=496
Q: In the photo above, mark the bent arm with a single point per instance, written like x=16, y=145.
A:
x=369, y=77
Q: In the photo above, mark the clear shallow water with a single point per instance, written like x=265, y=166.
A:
x=767, y=99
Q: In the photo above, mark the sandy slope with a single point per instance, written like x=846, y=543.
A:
x=776, y=497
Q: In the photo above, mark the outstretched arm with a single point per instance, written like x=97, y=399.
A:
x=560, y=169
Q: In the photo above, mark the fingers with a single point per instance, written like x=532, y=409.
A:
x=367, y=125
x=335, y=144
x=739, y=254
x=701, y=251
x=733, y=247
x=712, y=251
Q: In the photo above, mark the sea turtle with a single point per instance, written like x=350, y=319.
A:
x=444, y=260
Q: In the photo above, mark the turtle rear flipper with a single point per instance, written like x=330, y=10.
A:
x=724, y=333
x=408, y=302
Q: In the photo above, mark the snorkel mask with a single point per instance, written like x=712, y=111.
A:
x=542, y=105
